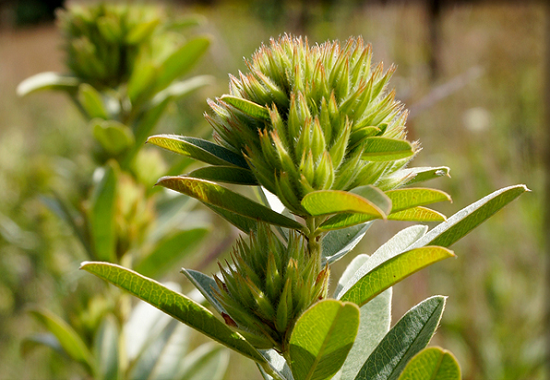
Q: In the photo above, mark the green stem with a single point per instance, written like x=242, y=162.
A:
x=314, y=240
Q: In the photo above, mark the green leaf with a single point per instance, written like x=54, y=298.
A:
x=392, y=271
x=178, y=89
x=101, y=215
x=219, y=196
x=386, y=149
x=276, y=364
x=408, y=337
x=421, y=174
x=432, y=363
x=417, y=214
x=228, y=174
x=67, y=337
x=397, y=244
x=30, y=343
x=169, y=252
x=206, y=285
x=174, y=304
x=141, y=31
x=47, y=81
x=106, y=348
x=247, y=107
x=336, y=244
x=461, y=223
x=325, y=202
x=67, y=214
x=181, y=61
x=90, y=100
x=374, y=324
x=199, y=149
x=207, y=362
x=403, y=199
x=322, y=338
x=113, y=136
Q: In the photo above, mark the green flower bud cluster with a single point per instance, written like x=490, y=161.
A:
x=104, y=41
x=270, y=284
x=314, y=118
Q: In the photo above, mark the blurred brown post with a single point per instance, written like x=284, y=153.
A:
x=434, y=9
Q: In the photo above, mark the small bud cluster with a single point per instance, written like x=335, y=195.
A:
x=103, y=41
x=302, y=117
x=270, y=284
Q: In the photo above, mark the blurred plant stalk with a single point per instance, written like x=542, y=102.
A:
x=124, y=67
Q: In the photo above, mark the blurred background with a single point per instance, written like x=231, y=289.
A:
x=472, y=73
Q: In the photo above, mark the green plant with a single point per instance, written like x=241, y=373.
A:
x=316, y=127
x=125, y=63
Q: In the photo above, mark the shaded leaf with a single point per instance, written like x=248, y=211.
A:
x=322, y=338
x=243, y=223
x=461, y=223
x=386, y=149
x=30, y=343
x=113, y=136
x=219, y=196
x=106, y=348
x=67, y=337
x=403, y=199
x=246, y=106
x=101, y=215
x=228, y=174
x=198, y=149
x=392, y=271
x=275, y=363
x=206, y=285
x=409, y=336
x=336, y=244
x=90, y=100
x=207, y=362
x=169, y=252
x=47, y=81
x=174, y=304
x=181, y=61
x=432, y=363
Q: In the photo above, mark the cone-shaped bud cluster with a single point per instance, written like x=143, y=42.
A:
x=302, y=117
x=268, y=286
x=103, y=41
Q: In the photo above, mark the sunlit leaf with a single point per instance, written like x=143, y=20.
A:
x=386, y=149
x=403, y=199
x=174, y=304
x=417, y=214
x=322, y=338
x=90, y=100
x=392, y=271
x=47, y=81
x=432, y=363
x=246, y=106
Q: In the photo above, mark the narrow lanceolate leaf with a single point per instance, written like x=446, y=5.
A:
x=90, y=99
x=207, y=362
x=386, y=149
x=374, y=323
x=106, y=348
x=198, y=149
x=30, y=343
x=322, y=338
x=102, y=214
x=228, y=174
x=167, y=253
x=174, y=304
x=461, y=223
x=325, y=202
x=181, y=61
x=392, y=271
x=432, y=363
x=181, y=88
x=47, y=81
x=408, y=337
x=403, y=199
x=68, y=338
x=336, y=244
x=417, y=214
x=421, y=174
x=246, y=106
x=219, y=196
x=206, y=285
